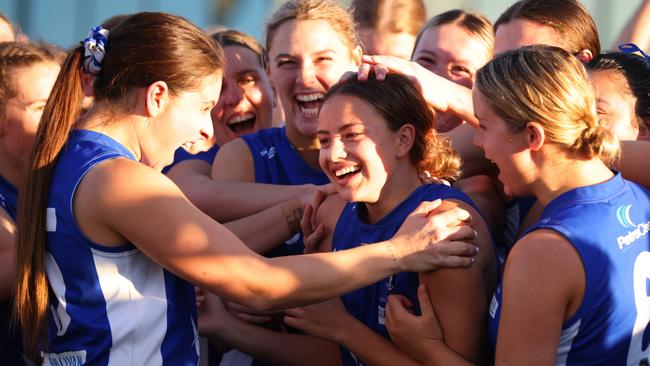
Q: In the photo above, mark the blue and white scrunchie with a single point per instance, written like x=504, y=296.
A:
x=94, y=49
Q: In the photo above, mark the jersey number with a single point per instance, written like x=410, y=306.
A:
x=638, y=355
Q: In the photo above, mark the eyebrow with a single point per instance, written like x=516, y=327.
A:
x=344, y=127
x=287, y=55
x=247, y=71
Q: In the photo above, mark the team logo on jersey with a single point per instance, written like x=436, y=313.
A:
x=390, y=283
x=269, y=153
x=623, y=216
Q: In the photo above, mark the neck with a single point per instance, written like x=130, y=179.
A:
x=119, y=127
x=12, y=170
x=563, y=175
x=307, y=146
x=398, y=187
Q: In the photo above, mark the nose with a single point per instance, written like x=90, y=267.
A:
x=232, y=94
x=207, y=129
x=306, y=74
x=336, y=150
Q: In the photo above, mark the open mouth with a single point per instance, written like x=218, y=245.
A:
x=343, y=175
x=309, y=103
x=242, y=123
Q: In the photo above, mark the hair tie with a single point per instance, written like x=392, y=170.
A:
x=94, y=50
x=632, y=48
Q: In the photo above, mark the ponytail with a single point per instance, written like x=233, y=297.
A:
x=31, y=291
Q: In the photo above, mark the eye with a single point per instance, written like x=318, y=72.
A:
x=426, y=60
x=248, y=80
x=285, y=63
x=324, y=141
x=324, y=59
x=352, y=135
x=459, y=69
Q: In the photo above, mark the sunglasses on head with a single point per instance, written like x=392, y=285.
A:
x=632, y=48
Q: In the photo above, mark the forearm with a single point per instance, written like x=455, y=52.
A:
x=637, y=30
x=460, y=103
x=226, y=200
x=363, y=342
x=279, y=348
x=271, y=227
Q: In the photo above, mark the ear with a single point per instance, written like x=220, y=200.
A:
x=584, y=56
x=405, y=138
x=156, y=98
x=87, y=81
x=535, y=136
x=357, y=53
x=644, y=133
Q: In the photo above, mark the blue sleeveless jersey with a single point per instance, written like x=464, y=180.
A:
x=10, y=343
x=181, y=155
x=368, y=304
x=277, y=162
x=608, y=225
x=108, y=305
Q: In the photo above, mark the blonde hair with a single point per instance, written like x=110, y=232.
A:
x=395, y=16
x=548, y=85
x=475, y=24
x=327, y=10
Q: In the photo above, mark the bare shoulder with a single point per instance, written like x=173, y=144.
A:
x=328, y=215
x=234, y=161
x=189, y=168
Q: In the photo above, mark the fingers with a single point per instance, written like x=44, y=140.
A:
x=400, y=300
x=456, y=248
x=450, y=217
x=312, y=241
x=425, y=207
x=460, y=233
x=426, y=309
x=364, y=72
x=306, y=221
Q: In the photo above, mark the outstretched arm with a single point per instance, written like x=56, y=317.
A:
x=136, y=204
x=637, y=30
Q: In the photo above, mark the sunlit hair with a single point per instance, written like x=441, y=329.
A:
x=15, y=55
x=394, y=16
x=328, y=10
x=233, y=37
x=399, y=103
x=473, y=23
x=143, y=49
x=547, y=85
x=636, y=71
x=569, y=18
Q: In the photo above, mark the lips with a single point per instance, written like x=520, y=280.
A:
x=309, y=103
x=241, y=123
x=343, y=174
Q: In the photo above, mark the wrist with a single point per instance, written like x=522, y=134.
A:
x=393, y=253
x=292, y=213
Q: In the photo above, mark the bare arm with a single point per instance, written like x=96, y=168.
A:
x=634, y=164
x=544, y=279
x=122, y=200
x=443, y=95
x=7, y=255
x=460, y=296
x=637, y=31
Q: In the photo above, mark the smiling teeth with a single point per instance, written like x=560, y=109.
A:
x=309, y=97
x=241, y=118
x=312, y=111
x=346, y=170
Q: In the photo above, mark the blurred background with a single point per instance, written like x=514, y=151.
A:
x=65, y=22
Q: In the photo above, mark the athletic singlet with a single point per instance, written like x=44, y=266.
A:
x=10, y=344
x=277, y=162
x=108, y=305
x=181, y=155
x=608, y=225
x=368, y=304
